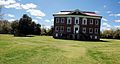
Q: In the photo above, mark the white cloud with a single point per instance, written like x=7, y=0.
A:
x=7, y=2
x=10, y=15
x=97, y=11
x=10, y=20
x=108, y=12
x=117, y=26
x=36, y=21
x=105, y=28
x=47, y=20
x=28, y=6
x=38, y=17
x=104, y=19
x=116, y=20
x=52, y=20
x=115, y=14
x=35, y=12
x=15, y=5
x=106, y=24
x=47, y=27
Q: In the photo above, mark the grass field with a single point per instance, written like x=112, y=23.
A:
x=47, y=50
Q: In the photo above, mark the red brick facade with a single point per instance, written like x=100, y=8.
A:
x=77, y=25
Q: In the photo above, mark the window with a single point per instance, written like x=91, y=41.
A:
x=84, y=30
x=90, y=30
x=84, y=21
x=96, y=21
x=56, y=28
x=68, y=29
x=57, y=20
x=76, y=20
x=62, y=28
x=69, y=21
x=96, y=30
x=62, y=20
x=91, y=21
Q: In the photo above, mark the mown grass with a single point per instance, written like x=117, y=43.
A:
x=47, y=50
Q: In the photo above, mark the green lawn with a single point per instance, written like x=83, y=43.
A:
x=47, y=50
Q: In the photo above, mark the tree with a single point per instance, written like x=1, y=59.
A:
x=25, y=26
x=117, y=34
x=5, y=27
x=14, y=26
x=50, y=31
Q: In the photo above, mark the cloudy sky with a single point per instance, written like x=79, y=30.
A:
x=41, y=11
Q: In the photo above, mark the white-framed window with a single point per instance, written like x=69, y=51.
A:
x=84, y=30
x=96, y=21
x=69, y=20
x=96, y=30
x=56, y=28
x=68, y=29
x=91, y=21
x=90, y=30
x=57, y=20
x=84, y=21
x=62, y=20
x=96, y=37
x=62, y=28
x=77, y=20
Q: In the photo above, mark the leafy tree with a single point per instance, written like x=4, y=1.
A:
x=5, y=27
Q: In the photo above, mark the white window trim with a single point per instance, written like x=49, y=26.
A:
x=57, y=20
x=56, y=28
x=90, y=29
x=62, y=27
x=68, y=20
x=84, y=21
x=76, y=18
x=83, y=30
x=96, y=21
x=91, y=21
x=62, y=20
x=96, y=29
x=69, y=29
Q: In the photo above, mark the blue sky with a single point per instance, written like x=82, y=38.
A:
x=41, y=11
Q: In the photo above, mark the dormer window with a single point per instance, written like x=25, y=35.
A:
x=84, y=21
x=68, y=20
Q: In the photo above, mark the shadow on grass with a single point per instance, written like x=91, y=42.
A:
x=86, y=40
x=26, y=36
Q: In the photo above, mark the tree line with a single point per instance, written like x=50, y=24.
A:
x=24, y=26
x=111, y=34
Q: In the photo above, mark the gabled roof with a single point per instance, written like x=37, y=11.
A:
x=77, y=12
